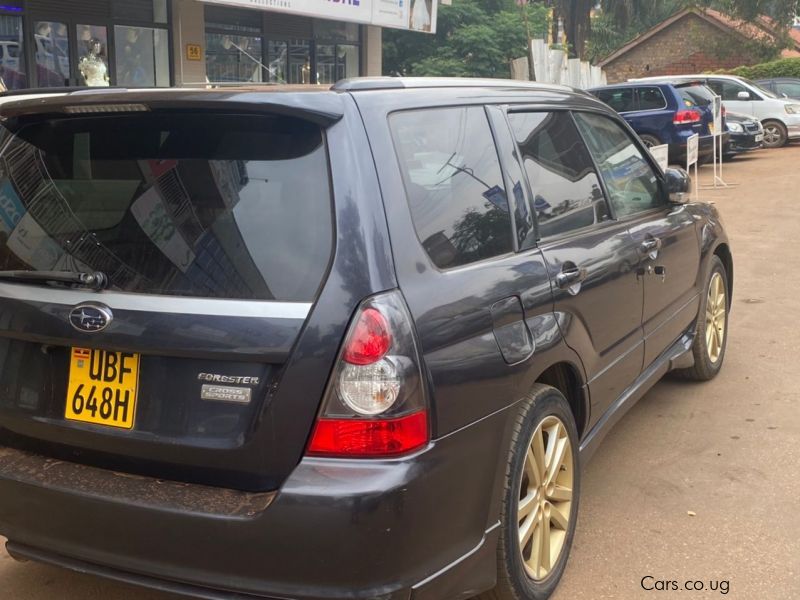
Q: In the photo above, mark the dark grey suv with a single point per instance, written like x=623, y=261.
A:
x=346, y=343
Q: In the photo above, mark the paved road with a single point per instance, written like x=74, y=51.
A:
x=727, y=451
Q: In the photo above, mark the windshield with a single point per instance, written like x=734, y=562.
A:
x=183, y=204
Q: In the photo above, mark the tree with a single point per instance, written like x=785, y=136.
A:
x=474, y=38
x=782, y=12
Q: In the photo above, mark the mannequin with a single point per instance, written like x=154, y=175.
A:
x=93, y=67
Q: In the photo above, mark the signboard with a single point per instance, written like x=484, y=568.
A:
x=661, y=154
x=415, y=15
x=194, y=52
x=692, y=150
x=717, y=108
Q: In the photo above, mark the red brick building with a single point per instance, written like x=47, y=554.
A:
x=693, y=41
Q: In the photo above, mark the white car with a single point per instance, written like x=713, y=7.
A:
x=780, y=116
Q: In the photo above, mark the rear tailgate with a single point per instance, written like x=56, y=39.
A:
x=216, y=232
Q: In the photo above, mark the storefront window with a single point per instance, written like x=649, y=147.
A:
x=52, y=54
x=233, y=58
x=92, y=55
x=348, y=63
x=326, y=63
x=277, y=55
x=12, y=56
x=336, y=62
x=299, y=61
x=142, y=56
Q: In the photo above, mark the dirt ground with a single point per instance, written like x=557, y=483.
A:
x=698, y=483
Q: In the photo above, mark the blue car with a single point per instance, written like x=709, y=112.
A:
x=665, y=113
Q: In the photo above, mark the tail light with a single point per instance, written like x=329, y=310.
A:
x=375, y=403
x=685, y=117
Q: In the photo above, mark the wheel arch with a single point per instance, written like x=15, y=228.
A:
x=723, y=251
x=566, y=378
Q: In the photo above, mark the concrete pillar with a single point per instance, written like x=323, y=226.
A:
x=373, y=51
x=188, y=32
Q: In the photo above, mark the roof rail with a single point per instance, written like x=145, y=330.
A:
x=58, y=90
x=394, y=83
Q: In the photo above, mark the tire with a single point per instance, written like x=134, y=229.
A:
x=650, y=140
x=775, y=134
x=709, y=355
x=543, y=412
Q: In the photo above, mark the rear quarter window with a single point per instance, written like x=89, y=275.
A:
x=651, y=98
x=453, y=183
x=201, y=205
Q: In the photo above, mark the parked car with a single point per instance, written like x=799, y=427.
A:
x=664, y=113
x=746, y=134
x=326, y=343
x=780, y=116
x=782, y=87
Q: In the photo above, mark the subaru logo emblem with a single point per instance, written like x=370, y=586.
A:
x=90, y=317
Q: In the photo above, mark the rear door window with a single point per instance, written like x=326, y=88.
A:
x=566, y=189
x=183, y=204
x=454, y=184
x=621, y=100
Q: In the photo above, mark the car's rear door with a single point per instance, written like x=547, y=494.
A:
x=665, y=234
x=592, y=258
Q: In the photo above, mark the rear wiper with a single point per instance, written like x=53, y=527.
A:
x=94, y=280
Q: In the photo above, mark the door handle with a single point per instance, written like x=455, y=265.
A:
x=650, y=247
x=571, y=278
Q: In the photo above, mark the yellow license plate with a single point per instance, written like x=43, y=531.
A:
x=102, y=387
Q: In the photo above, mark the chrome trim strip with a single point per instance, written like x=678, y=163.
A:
x=213, y=307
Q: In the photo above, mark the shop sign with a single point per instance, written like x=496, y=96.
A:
x=417, y=15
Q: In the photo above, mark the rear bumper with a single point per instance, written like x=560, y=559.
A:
x=422, y=526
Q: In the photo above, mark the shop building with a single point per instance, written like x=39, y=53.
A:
x=162, y=43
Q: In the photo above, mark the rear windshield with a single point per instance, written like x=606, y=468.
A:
x=182, y=204
x=695, y=95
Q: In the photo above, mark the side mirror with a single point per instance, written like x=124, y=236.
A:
x=678, y=185
x=743, y=95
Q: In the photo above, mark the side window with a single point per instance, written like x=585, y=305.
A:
x=566, y=190
x=453, y=183
x=621, y=100
x=631, y=182
x=731, y=89
x=651, y=98
x=790, y=89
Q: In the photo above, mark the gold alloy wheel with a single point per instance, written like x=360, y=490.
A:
x=716, y=317
x=545, y=498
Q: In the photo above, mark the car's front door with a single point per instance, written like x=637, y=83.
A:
x=591, y=258
x=664, y=233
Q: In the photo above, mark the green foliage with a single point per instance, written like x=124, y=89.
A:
x=786, y=67
x=783, y=11
x=474, y=38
